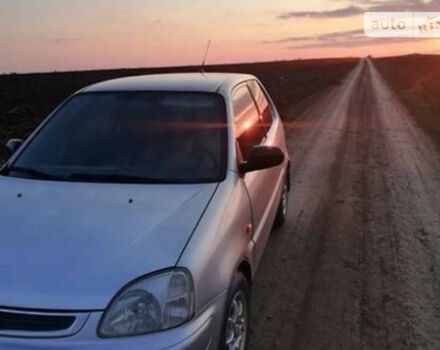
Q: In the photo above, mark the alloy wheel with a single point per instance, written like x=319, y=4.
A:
x=237, y=323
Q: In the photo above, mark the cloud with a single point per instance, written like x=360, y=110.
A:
x=361, y=6
x=350, y=34
x=66, y=40
x=286, y=40
x=366, y=41
x=342, y=12
x=353, y=38
x=349, y=38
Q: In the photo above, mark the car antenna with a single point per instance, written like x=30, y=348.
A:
x=202, y=67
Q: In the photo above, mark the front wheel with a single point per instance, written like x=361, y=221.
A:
x=236, y=323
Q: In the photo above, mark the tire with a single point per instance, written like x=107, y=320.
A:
x=236, y=319
x=281, y=215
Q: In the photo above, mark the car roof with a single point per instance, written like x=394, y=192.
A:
x=207, y=82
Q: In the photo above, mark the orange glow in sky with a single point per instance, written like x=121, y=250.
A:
x=50, y=35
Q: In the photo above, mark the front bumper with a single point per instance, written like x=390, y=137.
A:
x=202, y=332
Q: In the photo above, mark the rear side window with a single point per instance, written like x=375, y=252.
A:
x=262, y=103
x=248, y=124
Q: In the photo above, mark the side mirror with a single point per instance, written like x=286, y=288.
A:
x=13, y=145
x=262, y=157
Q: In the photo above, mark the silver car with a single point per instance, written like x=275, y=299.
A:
x=136, y=215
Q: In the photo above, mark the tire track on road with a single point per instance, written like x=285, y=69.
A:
x=316, y=144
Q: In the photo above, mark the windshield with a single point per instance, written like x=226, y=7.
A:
x=172, y=137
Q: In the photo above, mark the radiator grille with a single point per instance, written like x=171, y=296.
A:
x=12, y=321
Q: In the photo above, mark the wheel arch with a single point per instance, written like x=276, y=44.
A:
x=246, y=269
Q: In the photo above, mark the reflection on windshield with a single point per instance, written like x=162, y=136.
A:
x=175, y=137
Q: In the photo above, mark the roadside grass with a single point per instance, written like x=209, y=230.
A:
x=416, y=81
x=26, y=99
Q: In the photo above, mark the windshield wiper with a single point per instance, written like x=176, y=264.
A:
x=33, y=172
x=116, y=178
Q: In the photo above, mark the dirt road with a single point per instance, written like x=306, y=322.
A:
x=358, y=264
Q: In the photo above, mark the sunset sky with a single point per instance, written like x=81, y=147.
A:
x=49, y=35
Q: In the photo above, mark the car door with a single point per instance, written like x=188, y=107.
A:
x=252, y=130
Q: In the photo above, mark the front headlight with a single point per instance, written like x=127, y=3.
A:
x=156, y=303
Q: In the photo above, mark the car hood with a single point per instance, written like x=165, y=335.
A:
x=72, y=246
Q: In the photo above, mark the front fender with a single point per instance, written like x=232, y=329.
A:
x=220, y=242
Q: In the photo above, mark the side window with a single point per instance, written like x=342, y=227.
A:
x=248, y=124
x=262, y=103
